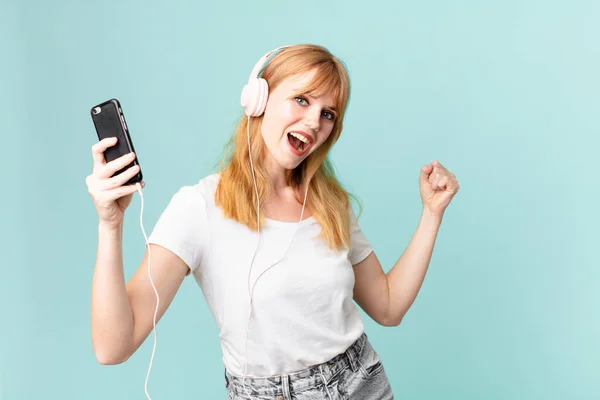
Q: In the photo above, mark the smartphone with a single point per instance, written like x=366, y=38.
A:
x=109, y=121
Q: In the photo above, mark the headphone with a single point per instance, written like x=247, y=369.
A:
x=254, y=100
x=256, y=91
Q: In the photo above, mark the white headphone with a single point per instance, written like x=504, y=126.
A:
x=254, y=100
x=256, y=91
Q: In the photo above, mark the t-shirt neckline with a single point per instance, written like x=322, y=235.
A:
x=274, y=222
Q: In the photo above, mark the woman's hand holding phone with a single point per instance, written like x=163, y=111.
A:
x=111, y=197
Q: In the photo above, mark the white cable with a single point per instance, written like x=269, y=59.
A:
x=251, y=289
x=139, y=189
x=254, y=255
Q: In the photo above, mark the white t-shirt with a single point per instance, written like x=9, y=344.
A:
x=302, y=308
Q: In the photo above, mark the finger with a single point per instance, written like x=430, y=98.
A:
x=437, y=164
x=434, y=177
x=112, y=167
x=425, y=173
x=99, y=148
x=119, y=180
x=452, y=186
x=442, y=182
x=119, y=192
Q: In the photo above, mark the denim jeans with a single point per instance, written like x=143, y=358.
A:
x=356, y=374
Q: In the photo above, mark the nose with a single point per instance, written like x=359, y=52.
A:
x=312, y=118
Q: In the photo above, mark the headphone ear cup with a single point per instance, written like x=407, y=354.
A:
x=254, y=96
x=247, y=96
x=262, y=96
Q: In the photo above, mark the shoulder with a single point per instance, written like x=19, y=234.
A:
x=204, y=190
x=208, y=184
x=191, y=202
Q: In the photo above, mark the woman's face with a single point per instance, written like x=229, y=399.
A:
x=295, y=125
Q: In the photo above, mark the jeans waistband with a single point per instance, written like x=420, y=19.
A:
x=298, y=381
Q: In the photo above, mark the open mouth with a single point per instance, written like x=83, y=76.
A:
x=298, y=142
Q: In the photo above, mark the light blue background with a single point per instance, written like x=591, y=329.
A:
x=503, y=93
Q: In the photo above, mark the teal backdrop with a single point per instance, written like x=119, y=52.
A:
x=503, y=93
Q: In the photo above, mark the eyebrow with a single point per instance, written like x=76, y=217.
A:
x=332, y=108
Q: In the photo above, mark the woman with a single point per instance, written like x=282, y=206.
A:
x=280, y=274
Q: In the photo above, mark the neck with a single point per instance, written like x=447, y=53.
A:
x=280, y=177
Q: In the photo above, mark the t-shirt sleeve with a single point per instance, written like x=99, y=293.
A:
x=182, y=227
x=360, y=247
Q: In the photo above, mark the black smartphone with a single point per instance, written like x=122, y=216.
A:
x=110, y=122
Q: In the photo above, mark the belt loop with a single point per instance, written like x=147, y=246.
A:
x=352, y=359
x=285, y=383
x=322, y=373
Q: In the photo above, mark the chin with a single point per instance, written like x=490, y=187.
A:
x=285, y=158
x=290, y=164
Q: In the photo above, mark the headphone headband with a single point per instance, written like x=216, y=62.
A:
x=261, y=62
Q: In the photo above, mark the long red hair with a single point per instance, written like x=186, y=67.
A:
x=326, y=199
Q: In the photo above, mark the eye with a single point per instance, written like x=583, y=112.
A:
x=301, y=100
x=328, y=115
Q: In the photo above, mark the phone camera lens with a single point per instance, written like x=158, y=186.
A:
x=96, y=110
